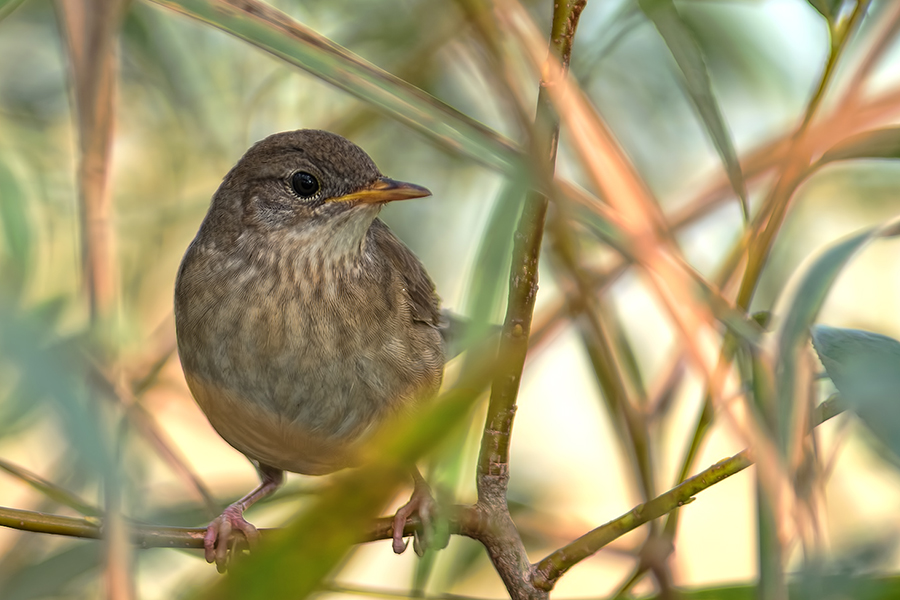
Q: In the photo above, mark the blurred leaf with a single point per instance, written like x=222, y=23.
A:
x=689, y=58
x=865, y=368
x=277, y=33
x=53, y=577
x=879, y=143
x=611, y=234
x=810, y=296
x=313, y=544
x=836, y=586
x=848, y=572
x=8, y=6
x=91, y=29
x=721, y=593
x=488, y=283
x=16, y=226
x=829, y=9
x=167, y=60
x=462, y=558
x=50, y=490
x=17, y=410
x=47, y=370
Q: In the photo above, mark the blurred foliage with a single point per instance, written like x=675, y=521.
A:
x=705, y=97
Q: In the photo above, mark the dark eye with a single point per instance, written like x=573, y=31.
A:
x=304, y=184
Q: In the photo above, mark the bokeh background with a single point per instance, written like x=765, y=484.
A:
x=91, y=404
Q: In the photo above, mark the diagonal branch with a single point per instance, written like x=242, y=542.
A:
x=548, y=571
x=463, y=520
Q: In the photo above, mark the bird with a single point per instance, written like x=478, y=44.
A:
x=302, y=322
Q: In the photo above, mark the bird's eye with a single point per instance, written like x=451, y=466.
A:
x=304, y=184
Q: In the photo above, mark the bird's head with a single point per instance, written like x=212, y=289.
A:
x=307, y=180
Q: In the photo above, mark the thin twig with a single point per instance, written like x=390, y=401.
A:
x=550, y=569
x=502, y=540
x=463, y=520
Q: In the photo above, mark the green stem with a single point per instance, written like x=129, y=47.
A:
x=772, y=215
x=548, y=571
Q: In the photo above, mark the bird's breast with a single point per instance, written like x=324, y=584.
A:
x=295, y=360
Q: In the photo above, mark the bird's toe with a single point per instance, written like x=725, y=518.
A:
x=220, y=544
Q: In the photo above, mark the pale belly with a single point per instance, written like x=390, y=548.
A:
x=298, y=385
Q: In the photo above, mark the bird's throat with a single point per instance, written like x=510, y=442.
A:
x=335, y=242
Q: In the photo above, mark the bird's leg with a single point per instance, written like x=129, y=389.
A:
x=218, y=534
x=422, y=503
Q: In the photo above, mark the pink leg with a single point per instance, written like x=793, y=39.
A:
x=422, y=503
x=218, y=537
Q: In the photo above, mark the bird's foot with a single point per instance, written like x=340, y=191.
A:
x=430, y=534
x=220, y=544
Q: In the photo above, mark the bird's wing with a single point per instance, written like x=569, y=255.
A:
x=425, y=302
x=460, y=334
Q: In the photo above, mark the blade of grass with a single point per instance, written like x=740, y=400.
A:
x=879, y=143
x=90, y=29
x=8, y=6
x=50, y=490
x=620, y=185
x=275, y=32
x=689, y=58
x=16, y=226
x=808, y=300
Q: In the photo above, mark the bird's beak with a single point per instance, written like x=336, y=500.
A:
x=385, y=190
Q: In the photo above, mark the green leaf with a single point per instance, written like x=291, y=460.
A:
x=689, y=58
x=878, y=143
x=808, y=300
x=488, y=283
x=865, y=368
x=49, y=489
x=830, y=9
x=275, y=32
x=8, y=6
x=831, y=586
x=299, y=557
x=55, y=576
x=51, y=371
x=16, y=226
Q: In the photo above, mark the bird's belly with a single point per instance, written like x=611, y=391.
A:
x=266, y=436
x=298, y=388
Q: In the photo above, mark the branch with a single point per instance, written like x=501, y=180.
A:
x=463, y=520
x=554, y=566
x=501, y=539
x=548, y=571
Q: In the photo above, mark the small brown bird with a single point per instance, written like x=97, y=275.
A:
x=302, y=321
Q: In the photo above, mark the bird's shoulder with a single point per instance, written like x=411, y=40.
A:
x=425, y=303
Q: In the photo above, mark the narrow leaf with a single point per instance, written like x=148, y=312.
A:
x=829, y=9
x=8, y=6
x=808, y=300
x=49, y=489
x=865, y=368
x=878, y=143
x=53, y=576
x=275, y=32
x=91, y=31
x=314, y=543
x=689, y=58
x=15, y=224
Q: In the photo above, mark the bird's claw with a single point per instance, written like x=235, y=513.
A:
x=423, y=504
x=219, y=543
